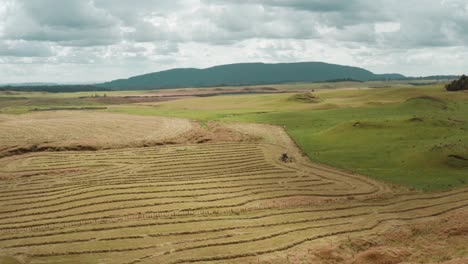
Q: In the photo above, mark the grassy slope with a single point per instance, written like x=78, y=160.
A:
x=373, y=132
x=384, y=144
x=368, y=130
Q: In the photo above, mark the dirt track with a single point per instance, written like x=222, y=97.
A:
x=229, y=200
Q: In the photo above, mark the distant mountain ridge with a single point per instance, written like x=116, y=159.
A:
x=246, y=74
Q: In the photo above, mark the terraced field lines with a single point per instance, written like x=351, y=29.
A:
x=188, y=203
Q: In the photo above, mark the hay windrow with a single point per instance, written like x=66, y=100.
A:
x=192, y=193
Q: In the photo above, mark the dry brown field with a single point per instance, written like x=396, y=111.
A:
x=85, y=187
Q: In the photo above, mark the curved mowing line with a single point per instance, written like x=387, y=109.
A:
x=261, y=252
x=183, y=183
x=154, y=192
x=70, y=208
x=264, y=215
x=299, y=242
x=342, y=173
x=144, y=248
x=288, y=183
x=228, y=164
x=138, y=215
x=228, y=167
x=163, y=203
x=248, y=167
x=44, y=189
x=190, y=176
x=187, y=232
x=177, y=173
x=237, y=175
x=173, y=197
x=253, y=152
x=188, y=221
x=163, y=156
x=233, y=219
x=258, y=238
x=213, y=182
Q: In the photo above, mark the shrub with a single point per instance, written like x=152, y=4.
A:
x=458, y=85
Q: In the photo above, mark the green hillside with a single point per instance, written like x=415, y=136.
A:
x=246, y=74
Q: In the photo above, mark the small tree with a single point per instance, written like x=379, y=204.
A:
x=458, y=85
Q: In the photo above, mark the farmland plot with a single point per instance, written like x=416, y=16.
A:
x=224, y=202
x=68, y=129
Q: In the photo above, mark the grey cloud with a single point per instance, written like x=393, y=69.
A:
x=336, y=13
x=423, y=23
x=67, y=14
x=157, y=34
x=24, y=49
x=316, y=5
x=310, y=5
x=73, y=22
x=221, y=22
x=435, y=24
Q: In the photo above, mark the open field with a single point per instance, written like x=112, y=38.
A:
x=227, y=202
x=14, y=102
x=127, y=184
x=72, y=129
x=233, y=132
x=393, y=134
x=396, y=135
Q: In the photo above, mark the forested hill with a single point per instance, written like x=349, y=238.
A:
x=246, y=74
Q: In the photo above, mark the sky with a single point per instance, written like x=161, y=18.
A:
x=85, y=41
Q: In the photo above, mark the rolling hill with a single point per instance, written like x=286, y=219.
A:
x=246, y=74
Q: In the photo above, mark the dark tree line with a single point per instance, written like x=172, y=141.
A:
x=458, y=85
x=55, y=88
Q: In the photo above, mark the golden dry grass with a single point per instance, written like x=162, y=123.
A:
x=81, y=128
x=232, y=201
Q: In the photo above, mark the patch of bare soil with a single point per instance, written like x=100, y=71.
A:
x=381, y=255
x=458, y=157
x=213, y=132
x=131, y=99
x=443, y=239
x=35, y=148
x=272, y=135
x=367, y=125
x=428, y=98
x=222, y=90
x=174, y=94
x=416, y=119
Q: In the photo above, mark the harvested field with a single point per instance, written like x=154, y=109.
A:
x=175, y=94
x=204, y=92
x=225, y=202
x=76, y=129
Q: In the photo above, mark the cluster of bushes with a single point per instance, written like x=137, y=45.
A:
x=458, y=85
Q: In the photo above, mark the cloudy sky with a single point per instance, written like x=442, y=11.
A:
x=99, y=40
